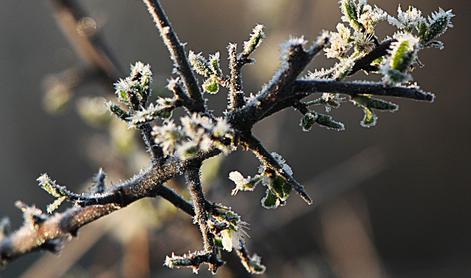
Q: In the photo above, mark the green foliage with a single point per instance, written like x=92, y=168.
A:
x=254, y=41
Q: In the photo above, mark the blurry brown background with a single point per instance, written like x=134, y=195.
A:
x=393, y=201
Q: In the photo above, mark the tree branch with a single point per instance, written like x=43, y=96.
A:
x=48, y=232
x=365, y=62
x=177, y=53
x=236, y=95
x=192, y=176
x=306, y=87
x=267, y=159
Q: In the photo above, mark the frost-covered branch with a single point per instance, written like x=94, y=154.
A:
x=178, y=146
x=177, y=53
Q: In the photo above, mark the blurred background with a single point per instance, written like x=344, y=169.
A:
x=392, y=201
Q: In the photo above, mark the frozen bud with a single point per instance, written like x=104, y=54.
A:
x=403, y=54
x=307, y=121
x=214, y=64
x=199, y=64
x=118, y=111
x=254, y=41
x=123, y=88
x=168, y=136
x=141, y=71
x=409, y=20
x=187, y=150
x=340, y=42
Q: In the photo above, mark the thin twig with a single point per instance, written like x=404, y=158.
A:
x=267, y=159
x=192, y=176
x=177, y=53
x=305, y=87
x=236, y=95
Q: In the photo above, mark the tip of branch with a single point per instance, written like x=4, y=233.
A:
x=304, y=195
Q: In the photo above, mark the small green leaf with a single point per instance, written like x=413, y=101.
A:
x=254, y=41
x=374, y=103
x=328, y=122
x=369, y=118
x=211, y=85
x=350, y=14
x=439, y=22
x=307, y=121
x=55, y=205
x=270, y=201
x=118, y=111
x=49, y=186
x=214, y=64
x=403, y=56
x=280, y=188
x=199, y=64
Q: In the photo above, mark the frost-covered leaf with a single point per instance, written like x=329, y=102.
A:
x=161, y=109
x=350, y=10
x=270, y=201
x=214, y=64
x=278, y=191
x=242, y=183
x=402, y=55
x=374, y=103
x=199, y=64
x=211, y=85
x=255, y=40
x=438, y=23
x=328, y=122
x=55, y=205
x=408, y=20
x=369, y=118
x=117, y=111
x=307, y=121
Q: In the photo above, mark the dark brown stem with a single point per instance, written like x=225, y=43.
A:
x=236, y=94
x=306, y=87
x=192, y=176
x=267, y=159
x=365, y=62
x=177, y=53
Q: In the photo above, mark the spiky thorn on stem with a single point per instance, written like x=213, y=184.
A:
x=177, y=54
